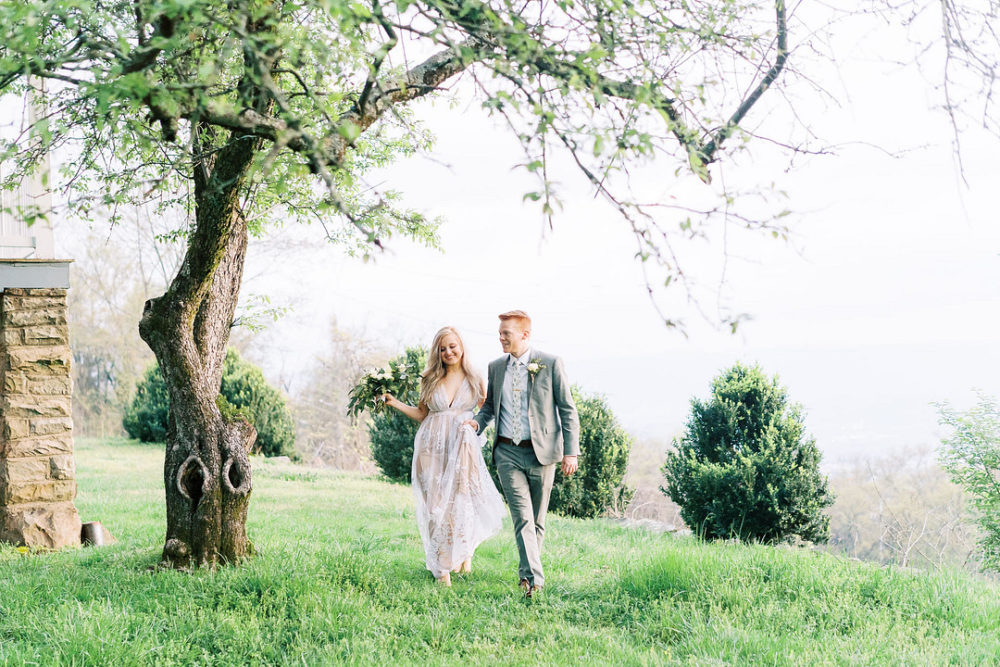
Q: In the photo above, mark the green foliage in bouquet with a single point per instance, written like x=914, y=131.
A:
x=244, y=393
x=745, y=468
x=398, y=377
x=391, y=433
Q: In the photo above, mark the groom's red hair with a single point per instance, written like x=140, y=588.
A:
x=519, y=316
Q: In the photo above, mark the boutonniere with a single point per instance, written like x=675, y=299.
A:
x=534, y=366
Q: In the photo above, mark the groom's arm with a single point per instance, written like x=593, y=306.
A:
x=568, y=416
x=487, y=411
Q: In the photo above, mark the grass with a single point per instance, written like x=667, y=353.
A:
x=339, y=578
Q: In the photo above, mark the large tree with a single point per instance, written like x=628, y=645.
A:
x=244, y=111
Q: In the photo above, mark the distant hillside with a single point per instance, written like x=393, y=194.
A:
x=339, y=577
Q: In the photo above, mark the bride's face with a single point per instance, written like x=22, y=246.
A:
x=450, y=350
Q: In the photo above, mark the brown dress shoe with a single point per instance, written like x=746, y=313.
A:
x=532, y=591
x=525, y=586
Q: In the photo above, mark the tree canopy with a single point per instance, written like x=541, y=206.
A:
x=138, y=92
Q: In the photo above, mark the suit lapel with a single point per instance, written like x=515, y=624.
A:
x=498, y=379
x=531, y=376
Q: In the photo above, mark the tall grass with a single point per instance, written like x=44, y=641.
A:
x=339, y=578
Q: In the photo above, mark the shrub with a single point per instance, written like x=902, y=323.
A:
x=244, y=391
x=391, y=433
x=744, y=467
x=972, y=458
x=596, y=488
x=146, y=417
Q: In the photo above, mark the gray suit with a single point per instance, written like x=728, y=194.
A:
x=526, y=474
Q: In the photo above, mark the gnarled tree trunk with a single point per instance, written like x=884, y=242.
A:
x=207, y=469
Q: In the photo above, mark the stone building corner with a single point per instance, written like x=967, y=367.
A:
x=37, y=471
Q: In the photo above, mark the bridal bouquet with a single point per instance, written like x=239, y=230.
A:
x=394, y=378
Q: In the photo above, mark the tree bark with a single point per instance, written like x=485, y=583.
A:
x=206, y=474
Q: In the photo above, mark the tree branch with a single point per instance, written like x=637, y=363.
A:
x=712, y=146
x=417, y=82
x=146, y=55
x=379, y=56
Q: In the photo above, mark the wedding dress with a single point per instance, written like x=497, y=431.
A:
x=458, y=506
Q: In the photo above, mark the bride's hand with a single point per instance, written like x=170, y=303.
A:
x=471, y=423
x=389, y=400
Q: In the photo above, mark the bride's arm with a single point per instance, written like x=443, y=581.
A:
x=417, y=414
x=482, y=394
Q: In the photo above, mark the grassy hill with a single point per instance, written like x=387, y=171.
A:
x=340, y=578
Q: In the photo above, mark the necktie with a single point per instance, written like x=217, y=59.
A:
x=517, y=387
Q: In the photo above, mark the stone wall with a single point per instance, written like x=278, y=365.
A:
x=37, y=473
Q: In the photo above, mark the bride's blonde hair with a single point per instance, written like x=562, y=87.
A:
x=435, y=370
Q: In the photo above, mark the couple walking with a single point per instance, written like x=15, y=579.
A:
x=457, y=505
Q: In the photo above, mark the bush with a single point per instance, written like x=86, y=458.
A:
x=596, y=488
x=392, y=433
x=146, y=417
x=744, y=467
x=244, y=391
x=972, y=458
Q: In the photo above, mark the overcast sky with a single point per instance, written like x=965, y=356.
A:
x=884, y=300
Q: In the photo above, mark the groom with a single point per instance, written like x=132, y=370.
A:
x=537, y=426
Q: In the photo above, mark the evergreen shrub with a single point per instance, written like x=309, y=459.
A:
x=596, y=488
x=244, y=392
x=391, y=432
x=745, y=468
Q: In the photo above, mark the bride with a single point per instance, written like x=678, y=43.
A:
x=457, y=505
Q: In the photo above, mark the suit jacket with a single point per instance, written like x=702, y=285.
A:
x=555, y=425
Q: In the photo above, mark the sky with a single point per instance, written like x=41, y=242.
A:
x=883, y=301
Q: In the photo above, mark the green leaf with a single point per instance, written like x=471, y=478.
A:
x=349, y=130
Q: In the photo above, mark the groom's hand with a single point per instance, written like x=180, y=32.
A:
x=473, y=423
x=569, y=465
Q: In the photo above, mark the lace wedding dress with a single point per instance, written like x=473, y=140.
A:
x=458, y=506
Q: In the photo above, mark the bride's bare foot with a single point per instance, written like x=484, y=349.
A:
x=445, y=579
x=466, y=566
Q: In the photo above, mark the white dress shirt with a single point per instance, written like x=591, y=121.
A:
x=513, y=419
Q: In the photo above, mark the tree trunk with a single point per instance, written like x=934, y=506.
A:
x=206, y=473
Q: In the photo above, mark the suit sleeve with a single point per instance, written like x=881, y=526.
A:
x=487, y=412
x=568, y=416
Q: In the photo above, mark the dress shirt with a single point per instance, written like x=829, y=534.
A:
x=513, y=418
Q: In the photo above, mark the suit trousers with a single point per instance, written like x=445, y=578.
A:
x=527, y=485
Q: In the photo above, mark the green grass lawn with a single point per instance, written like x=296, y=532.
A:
x=339, y=577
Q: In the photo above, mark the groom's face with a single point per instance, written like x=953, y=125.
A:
x=513, y=338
